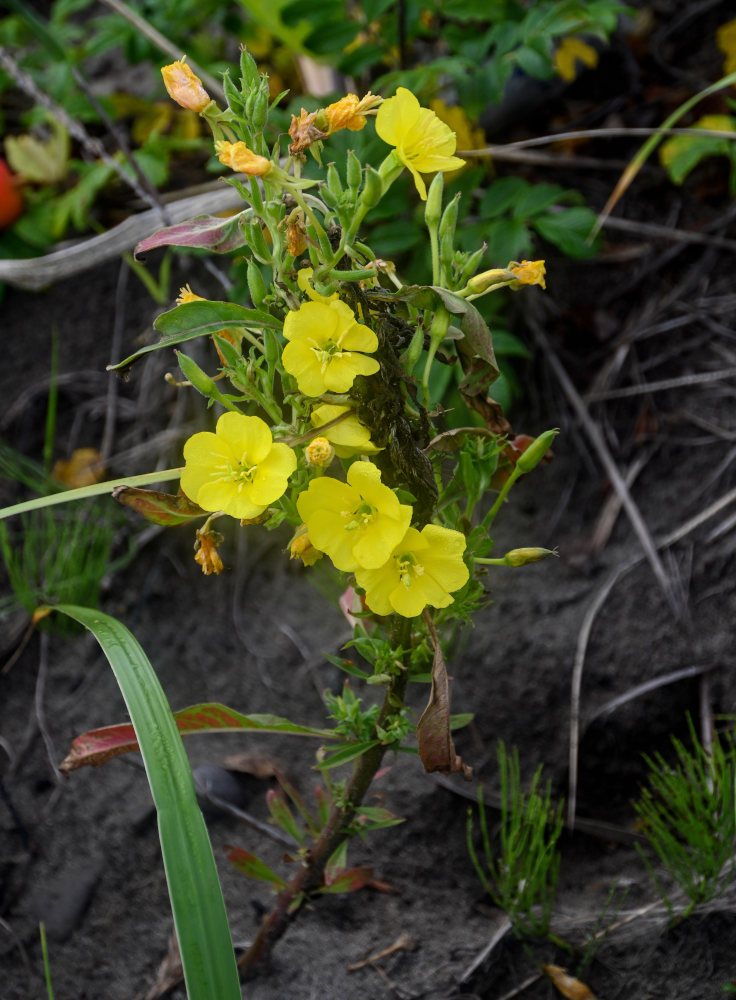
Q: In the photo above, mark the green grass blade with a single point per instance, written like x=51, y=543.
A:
x=96, y=490
x=201, y=924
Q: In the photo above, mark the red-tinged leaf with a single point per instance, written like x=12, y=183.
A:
x=349, y=880
x=283, y=816
x=436, y=749
x=248, y=864
x=337, y=862
x=167, y=509
x=211, y=232
x=98, y=746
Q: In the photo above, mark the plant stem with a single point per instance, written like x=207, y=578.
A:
x=337, y=829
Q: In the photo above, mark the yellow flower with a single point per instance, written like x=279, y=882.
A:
x=184, y=86
x=325, y=347
x=571, y=50
x=349, y=112
x=529, y=272
x=357, y=523
x=301, y=547
x=424, y=144
x=424, y=568
x=238, y=469
x=726, y=42
x=319, y=452
x=237, y=156
x=350, y=437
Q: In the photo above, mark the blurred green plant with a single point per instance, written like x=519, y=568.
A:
x=681, y=154
x=520, y=874
x=687, y=812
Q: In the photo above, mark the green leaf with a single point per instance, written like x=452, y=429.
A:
x=680, y=154
x=208, y=959
x=200, y=319
x=569, y=230
x=347, y=753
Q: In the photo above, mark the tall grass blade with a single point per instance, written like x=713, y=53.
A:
x=201, y=923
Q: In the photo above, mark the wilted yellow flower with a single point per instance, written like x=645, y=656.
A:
x=296, y=233
x=350, y=111
x=424, y=568
x=319, y=452
x=529, y=272
x=350, y=436
x=327, y=346
x=184, y=86
x=238, y=469
x=726, y=42
x=84, y=468
x=301, y=547
x=424, y=144
x=205, y=551
x=187, y=295
x=357, y=523
x=237, y=156
x=567, y=54
x=304, y=132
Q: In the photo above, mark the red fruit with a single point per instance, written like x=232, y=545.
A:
x=11, y=201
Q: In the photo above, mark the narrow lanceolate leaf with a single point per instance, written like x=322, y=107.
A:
x=167, y=509
x=199, y=319
x=252, y=866
x=349, y=880
x=208, y=960
x=98, y=746
x=211, y=232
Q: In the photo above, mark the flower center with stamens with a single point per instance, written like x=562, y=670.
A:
x=408, y=568
x=360, y=517
x=327, y=353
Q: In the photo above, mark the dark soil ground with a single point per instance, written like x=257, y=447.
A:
x=82, y=853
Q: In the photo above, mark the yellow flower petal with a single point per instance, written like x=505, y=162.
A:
x=357, y=523
x=184, y=86
x=238, y=469
x=424, y=568
x=424, y=143
x=237, y=156
x=571, y=50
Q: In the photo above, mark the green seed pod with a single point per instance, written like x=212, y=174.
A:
x=433, y=206
x=415, y=349
x=471, y=264
x=256, y=284
x=194, y=374
x=536, y=451
x=449, y=218
x=257, y=242
x=329, y=197
x=354, y=171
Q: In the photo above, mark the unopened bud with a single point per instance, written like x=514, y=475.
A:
x=354, y=171
x=536, y=451
x=520, y=557
x=184, y=86
x=433, y=207
x=319, y=452
x=199, y=379
x=372, y=187
x=256, y=284
x=480, y=283
x=301, y=547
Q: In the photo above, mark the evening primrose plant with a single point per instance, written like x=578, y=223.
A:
x=328, y=421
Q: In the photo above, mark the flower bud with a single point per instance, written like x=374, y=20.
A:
x=536, y=451
x=354, y=171
x=433, y=207
x=199, y=379
x=184, y=86
x=372, y=187
x=319, y=452
x=480, y=283
x=520, y=557
x=256, y=284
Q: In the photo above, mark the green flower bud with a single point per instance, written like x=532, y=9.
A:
x=372, y=188
x=333, y=180
x=248, y=70
x=480, y=283
x=259, y=113
x=354, y=171
x=415, y=349
x=194, y=374
x=520, y=557
x=433, y=207
x=256, y=284
x=536, y=451
x=257, y=242
x=449, y=217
